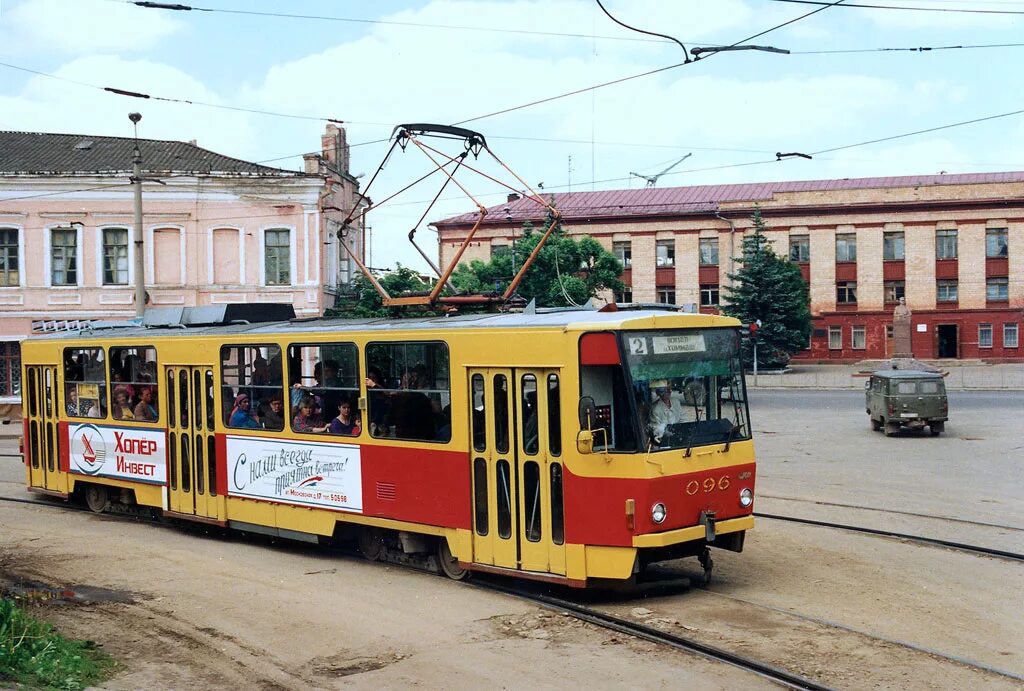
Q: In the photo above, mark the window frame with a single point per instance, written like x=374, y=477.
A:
x=1007, y=328
x=800, y=248
x=669, y=260
x=155, y=384
x=890, y=247
x=947, y=283
x=102, y=254
x=982, y=328
x=623, y=251
x=17, y=249
x=101, y=385
x=10, y=365
x=997, y=282
x=713, y=244
x=292, y=255
x=355, y=391
x=847, y=242
x=835, y=343
x=666, y=292
x=76, y=231
x=381, y=390
x=897, y=286
x=624, y=296
x=228, y=405
x=1004, y=233
x=713, y=293
x=858, y=330
x=846, y=293
x=942, y=244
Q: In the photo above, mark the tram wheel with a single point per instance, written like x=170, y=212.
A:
x=96, y=498
x=371, y=543
x=449, y=564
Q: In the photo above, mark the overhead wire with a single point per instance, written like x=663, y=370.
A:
x=954, y=10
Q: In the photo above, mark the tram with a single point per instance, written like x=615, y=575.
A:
x=574, y=447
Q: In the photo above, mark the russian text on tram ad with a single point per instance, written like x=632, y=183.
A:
x=125, y=453
x=303, y=473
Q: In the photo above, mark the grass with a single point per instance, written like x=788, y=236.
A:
x=33, y=654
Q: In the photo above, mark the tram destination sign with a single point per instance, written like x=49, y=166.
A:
x=667, y=345
x=124, y=453
x=301, y=473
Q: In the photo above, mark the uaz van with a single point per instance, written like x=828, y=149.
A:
x=906, y=398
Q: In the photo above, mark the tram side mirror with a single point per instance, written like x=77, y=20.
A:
x=588, y=413
x=585, y=442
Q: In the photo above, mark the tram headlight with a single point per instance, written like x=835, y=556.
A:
x=746, y=497
x=658, y=513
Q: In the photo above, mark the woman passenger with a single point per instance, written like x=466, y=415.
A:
x=307, y=420
x=145, y=411
x=346, y=422
x=241, y=415
x=121, y=409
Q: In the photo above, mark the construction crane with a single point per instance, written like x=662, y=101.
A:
x=652, y=180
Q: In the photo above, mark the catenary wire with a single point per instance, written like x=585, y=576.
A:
x=954, y=10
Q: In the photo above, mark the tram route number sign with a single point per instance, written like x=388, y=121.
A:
x=666, y=345
x=124, y=453
x=300, y=473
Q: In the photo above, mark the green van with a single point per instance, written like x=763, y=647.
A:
x=906, y=398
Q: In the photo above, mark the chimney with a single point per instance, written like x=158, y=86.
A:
x=192, y=142
x=513, y=197
x=311, y=163
x=334, y=146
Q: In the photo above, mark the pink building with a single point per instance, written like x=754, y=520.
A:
x=215, y=229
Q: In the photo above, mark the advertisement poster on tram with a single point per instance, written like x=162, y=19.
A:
x=124, y=453
x=302, y=473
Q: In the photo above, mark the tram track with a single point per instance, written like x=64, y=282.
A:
x=649, y=633
x=920, y=539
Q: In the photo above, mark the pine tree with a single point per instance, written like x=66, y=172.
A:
x=772, y=289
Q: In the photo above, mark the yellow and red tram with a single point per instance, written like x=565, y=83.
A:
x=570, y=446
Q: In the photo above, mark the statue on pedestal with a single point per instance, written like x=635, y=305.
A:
x=902, y=347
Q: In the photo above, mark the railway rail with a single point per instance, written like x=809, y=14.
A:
x=935, y=542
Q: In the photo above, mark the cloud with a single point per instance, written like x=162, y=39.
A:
x=81, y=26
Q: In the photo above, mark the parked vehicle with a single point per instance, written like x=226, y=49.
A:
x=906, y=398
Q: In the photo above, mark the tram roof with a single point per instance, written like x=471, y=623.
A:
x=567, y=320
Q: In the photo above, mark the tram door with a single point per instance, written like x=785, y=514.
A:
x=517, y=481
x=43, y=432
x=191, y=447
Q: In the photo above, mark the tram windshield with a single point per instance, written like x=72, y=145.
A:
x=688, y=386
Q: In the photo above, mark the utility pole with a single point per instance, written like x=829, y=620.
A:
x=140, y=264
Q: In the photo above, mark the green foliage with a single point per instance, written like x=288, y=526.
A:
x=566, y=271
x=770, y=288
x=32, y=653
x=365, y=302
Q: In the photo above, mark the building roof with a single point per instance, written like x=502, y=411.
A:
x=43, y=153
x=703, y=199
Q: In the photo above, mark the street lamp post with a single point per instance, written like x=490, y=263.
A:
x=140, y=265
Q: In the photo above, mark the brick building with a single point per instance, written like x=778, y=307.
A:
x=216, y=230
x=952, y=245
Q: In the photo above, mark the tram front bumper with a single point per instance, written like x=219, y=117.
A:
x=694, y=532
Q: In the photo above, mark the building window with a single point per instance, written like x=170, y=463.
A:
x=892, y=246
x=945, y=244
x=623, y=251
x=835, y=338
x=846, y=292
x=997, y=289
x=666, y=252
x=667, y=295
x=64, y=257
x=946, y=291
x=984, y=335
x=8, y=257
x=624, y=295
x=10, y=367
x=277, y=257
x=799, y=248
x=115, y=256
x=709, y=251
x=858, y=338
x=894, y=290
x=1010, y=336
x=996, y=243
x=709, y=295
x=846, y=247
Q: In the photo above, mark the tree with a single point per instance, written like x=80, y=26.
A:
x=772, y=289
x=363, y=300
x=566, y=271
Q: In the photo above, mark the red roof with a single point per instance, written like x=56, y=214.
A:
x=675, y=201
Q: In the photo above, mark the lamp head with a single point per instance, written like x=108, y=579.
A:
x=135, y=117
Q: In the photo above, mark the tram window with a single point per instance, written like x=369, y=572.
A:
x=211, y=464
x=170, y=396
x=531, y=488
x=186, y=465
x=557, y=507
x=197, y=400
x=554, y=416
x=33, y=395
x=409, y=395
x=49, y=447
x=251, y=378
x=134, y=384
x=530, y=414
x=479, y=414
x=607, y=386
x=172, y=456
x=200, y=474
x=209, y=400
x=326, y=374
x=183, y=397
x=85, y=377
x=501, y=413
x=33, y=442
x=480, y=495
x=504, y=499
x=48, y=392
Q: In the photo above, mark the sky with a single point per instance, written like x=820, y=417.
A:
x=375, y=65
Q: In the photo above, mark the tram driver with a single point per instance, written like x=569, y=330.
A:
x=672, y=407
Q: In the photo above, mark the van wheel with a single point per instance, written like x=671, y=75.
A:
x=449, y=564
x=875, y=425
x=936, y=428
x=891, y=430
